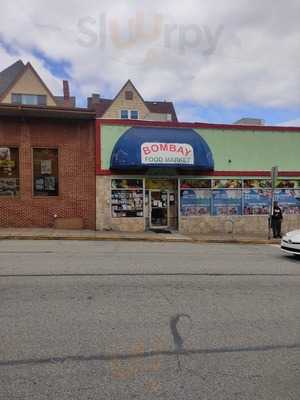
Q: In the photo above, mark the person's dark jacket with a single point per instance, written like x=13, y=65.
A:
x=277, y=214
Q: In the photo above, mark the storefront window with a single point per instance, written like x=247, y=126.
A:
x=288, y=200
x=127, y=198
x=195, y=183
x=195, y=202
x=257, y=184
x=45, y=172
x=127, y=184
x=227, y=184
x=288, y=184
x=257, y=201
x=227, y=202
x=237, y=197
x=257, y=196
x=9, y=171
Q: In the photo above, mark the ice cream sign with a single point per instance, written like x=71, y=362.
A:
x=167, y=153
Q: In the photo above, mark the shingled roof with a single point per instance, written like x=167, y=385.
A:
x=9, y=75
x=155, y=107
x=162, y=107
x=101, y=105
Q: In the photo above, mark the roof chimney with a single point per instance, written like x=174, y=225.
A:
x=94, y=99
x=66, y=89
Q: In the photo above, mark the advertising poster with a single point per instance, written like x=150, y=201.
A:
x=46, y=167
x=227, y=184
x=288, y=184
x=127, y=183
x=288, y=200
x=195, y=183
x=195, y=202
x=227, y=202
x=257, y=184
x=257, y=201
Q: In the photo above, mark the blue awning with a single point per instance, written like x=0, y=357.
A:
x=140, y=148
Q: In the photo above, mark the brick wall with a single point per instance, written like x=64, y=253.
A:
x=75, y=141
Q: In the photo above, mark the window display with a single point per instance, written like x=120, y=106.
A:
x=288, y=200
x=195, y=183
x=127, y=201
x=227, y=202
x=195, y=202
x=127, y=184
x=257, y=184
x=9, y=171
x=227, y=184
x=257, y=201
x=288, y=184
x=45, y=172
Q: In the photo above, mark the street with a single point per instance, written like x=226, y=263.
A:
x=136, y=320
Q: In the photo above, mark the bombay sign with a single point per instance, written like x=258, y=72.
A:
x=167, y=153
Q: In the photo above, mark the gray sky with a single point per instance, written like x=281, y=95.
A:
x=229, y=55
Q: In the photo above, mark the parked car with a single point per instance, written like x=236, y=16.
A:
x=290, y=243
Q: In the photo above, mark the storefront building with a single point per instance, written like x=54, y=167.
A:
x=194, y=178
x=47, y=167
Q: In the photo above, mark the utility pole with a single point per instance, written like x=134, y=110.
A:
x=274, y=177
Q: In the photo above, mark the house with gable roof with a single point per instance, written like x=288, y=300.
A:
x=21, y=84
x=129, y=104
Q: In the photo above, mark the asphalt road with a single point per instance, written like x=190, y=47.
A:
x=124, y=320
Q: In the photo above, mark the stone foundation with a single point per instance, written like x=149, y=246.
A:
x=239, y=225
x=205, y=225
x=104, y=220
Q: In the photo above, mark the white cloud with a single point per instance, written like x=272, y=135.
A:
x=294, y=122
x=223, y=53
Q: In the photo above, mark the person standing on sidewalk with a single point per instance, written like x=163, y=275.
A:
x=276, y=220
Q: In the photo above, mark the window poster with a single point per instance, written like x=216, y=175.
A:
x=227, y=202
x=127, y=203
x=195, y=202
x=195, y=183
x=257, y=201
x=257, y=183
x=46, y=167
x=127, y=184
x=5, y=154
x=288, y=200
x=39, y=184
x=288, y=184
x=227, y=184
x=8, y=186
x=50, y=183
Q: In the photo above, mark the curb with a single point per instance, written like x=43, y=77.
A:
x=143, y=239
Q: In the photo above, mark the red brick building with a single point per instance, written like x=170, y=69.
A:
x=47, y=167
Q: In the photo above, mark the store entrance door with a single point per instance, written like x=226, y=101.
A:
x=159, y=209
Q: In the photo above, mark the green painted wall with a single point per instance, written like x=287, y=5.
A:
x=109, y=137
x=248, y=150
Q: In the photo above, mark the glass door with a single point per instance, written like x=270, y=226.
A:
x=159, y=208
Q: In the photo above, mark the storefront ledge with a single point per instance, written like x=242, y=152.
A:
x=97, y=238
x=237, y=241
x=115, y=236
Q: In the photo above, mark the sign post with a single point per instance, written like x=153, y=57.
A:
x=274, y=177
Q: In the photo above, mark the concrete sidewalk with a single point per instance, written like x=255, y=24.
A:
x=55, y=234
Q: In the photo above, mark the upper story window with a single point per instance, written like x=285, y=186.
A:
x=129, y=114
x=128, y=95
x=29, y=99
x=124, y=114
x=134, y=114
